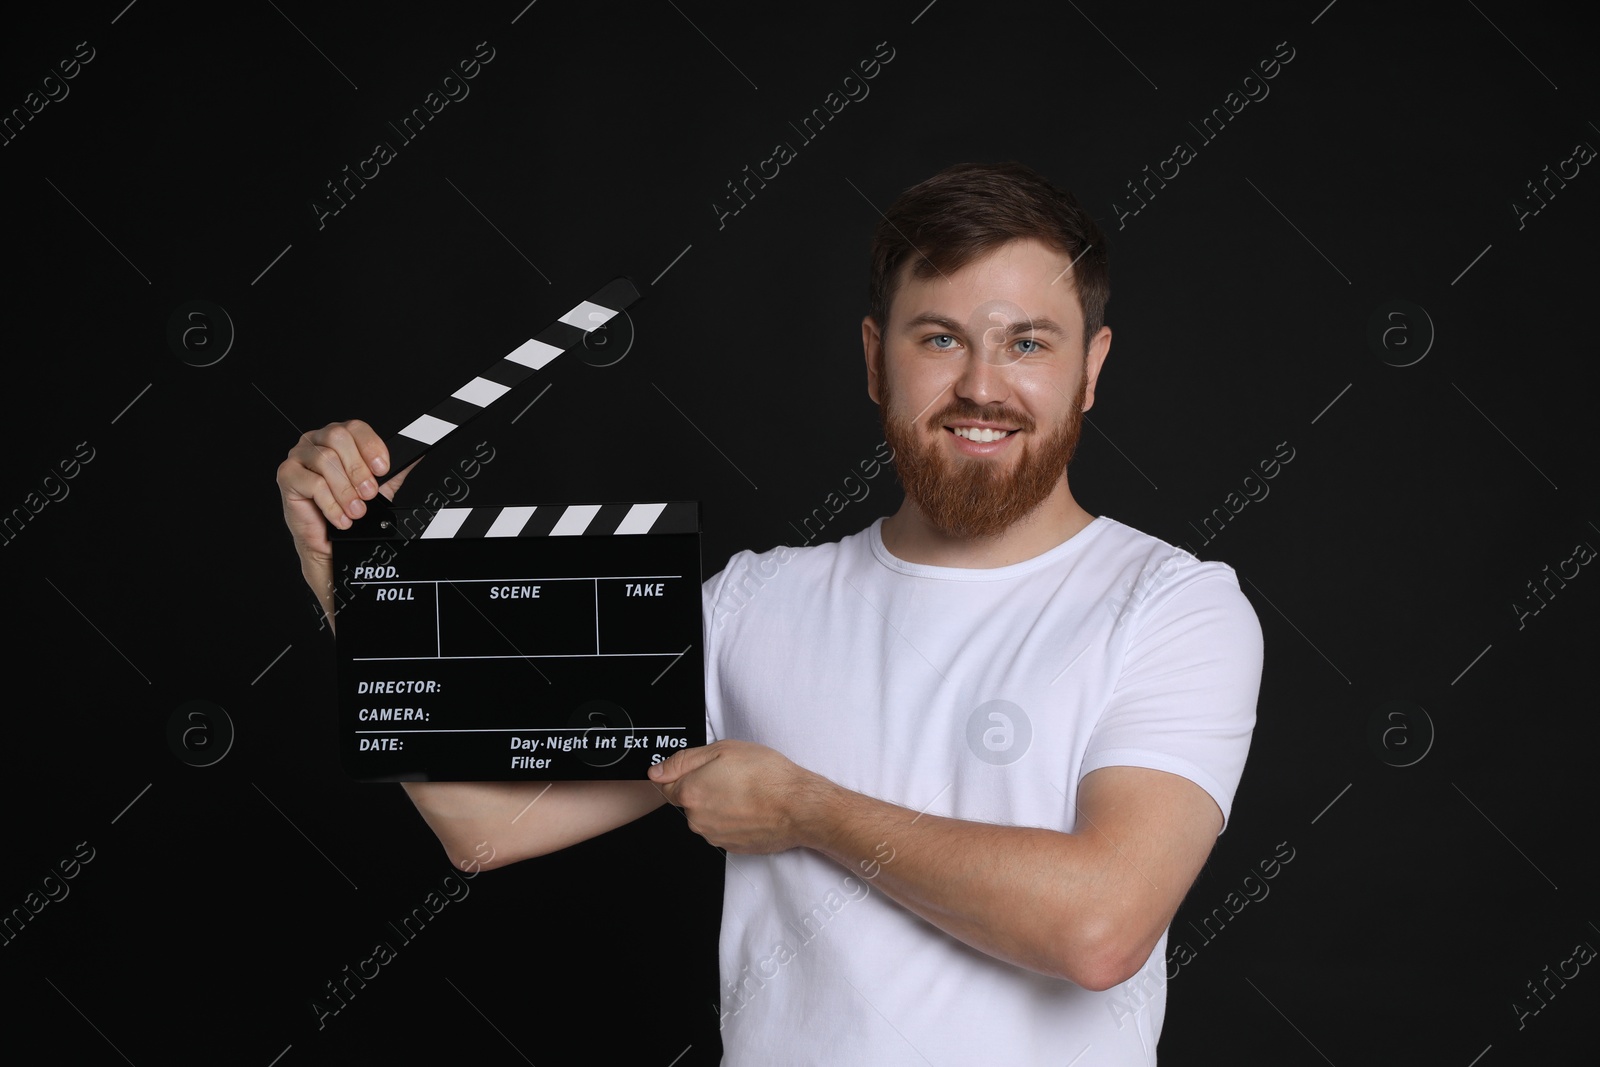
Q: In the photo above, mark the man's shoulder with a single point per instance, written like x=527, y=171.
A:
x=750, y=570
x=1150, y=570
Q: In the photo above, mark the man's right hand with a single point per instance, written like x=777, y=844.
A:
x=329, y=476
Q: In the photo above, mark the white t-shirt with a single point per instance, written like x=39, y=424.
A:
x=984, y=695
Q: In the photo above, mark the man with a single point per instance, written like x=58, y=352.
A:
x=968, y=760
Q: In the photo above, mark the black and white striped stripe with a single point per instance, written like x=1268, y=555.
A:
x=565, y=520
x=516, y=367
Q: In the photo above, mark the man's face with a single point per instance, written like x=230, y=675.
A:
x=981, y=378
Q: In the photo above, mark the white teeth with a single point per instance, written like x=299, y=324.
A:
x=982, y=436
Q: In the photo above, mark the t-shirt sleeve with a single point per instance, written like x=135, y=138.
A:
x=1185, y=700
x=710, y=593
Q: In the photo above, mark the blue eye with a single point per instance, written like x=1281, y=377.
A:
x=937, y=338
x=1028, y=341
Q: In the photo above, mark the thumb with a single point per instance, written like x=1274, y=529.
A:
x=681, y=763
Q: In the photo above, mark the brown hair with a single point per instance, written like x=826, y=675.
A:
x=967, y=211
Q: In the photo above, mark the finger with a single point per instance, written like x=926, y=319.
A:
x=670, y=791
x=313, y=484
x=303, y=512
x=344, y=461
x=374, y=455
x=349, y=489
x=681, y=763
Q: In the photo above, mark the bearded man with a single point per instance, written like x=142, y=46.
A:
x=969, y=760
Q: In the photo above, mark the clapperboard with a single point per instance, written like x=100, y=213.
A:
x=548, y=641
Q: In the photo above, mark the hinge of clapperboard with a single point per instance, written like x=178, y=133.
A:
x=386, y=523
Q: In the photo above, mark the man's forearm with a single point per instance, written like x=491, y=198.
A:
x=496, y=823
x=1036, y=898
x=1088, y=906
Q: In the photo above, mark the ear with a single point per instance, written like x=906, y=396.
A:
x=1099, y=348
x=872, y=348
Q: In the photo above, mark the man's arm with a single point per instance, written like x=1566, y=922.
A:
x=496, y=823
x=1088, y=906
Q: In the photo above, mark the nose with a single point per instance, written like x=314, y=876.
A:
x=983, y=378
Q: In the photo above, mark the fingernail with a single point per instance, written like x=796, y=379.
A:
x=380, y=466
x=357, y=508
x=366, y=487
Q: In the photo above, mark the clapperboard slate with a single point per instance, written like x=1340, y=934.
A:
x=539, y=641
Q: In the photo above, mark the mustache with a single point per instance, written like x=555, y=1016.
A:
x=963, y=408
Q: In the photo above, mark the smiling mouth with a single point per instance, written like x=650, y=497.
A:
x=979, y=434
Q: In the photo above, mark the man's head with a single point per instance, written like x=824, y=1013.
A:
x=960, y=214
x=979, y=348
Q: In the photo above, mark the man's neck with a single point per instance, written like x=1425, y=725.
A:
x=909, y=535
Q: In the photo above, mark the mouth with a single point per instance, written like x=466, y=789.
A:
x=982, y=435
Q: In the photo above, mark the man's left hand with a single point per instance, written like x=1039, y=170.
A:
x=741, y=796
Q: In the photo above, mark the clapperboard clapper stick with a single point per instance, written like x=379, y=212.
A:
x=543, y=641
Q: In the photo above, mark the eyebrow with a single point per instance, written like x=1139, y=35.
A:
x=1030, y=326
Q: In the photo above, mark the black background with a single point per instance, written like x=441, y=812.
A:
x=1384, y=565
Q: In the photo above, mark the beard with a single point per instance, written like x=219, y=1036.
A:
x=971, y=498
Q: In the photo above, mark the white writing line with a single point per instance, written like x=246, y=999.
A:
x=97, y=630
x=532, y=402
x=275, y=407
x=497, y=229
x=674, y=263
x=713, y=44
x=1332, y=402
x=1513, y=44
x=313, y=44
x=1501, y=432
x=702, y=433
x=543, y=655
x=930, y=803
x=892, y=1026
x=1120, y=452
x=1331, y=803
x=491, y=581
x=102, y=235
x=88, y=1020
x=131, y=803
x=1502, y=833
x=530, y=730
x=674, y=662
x=1289, y=1021
x=531, y=803
x=1113, y=44
x=491, y=1023
x=269, y=666
x=132, y=402
x=1069, y=266
x=302, y=833
x=1468, y=667
x=1473, y=263
x=1297, y=630
x=1301, y=232
x=274, y=263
